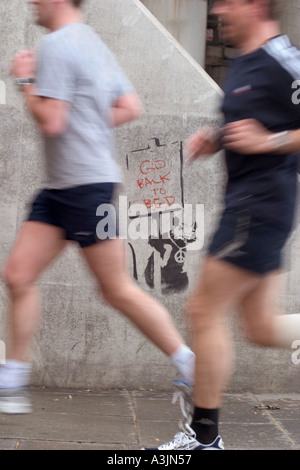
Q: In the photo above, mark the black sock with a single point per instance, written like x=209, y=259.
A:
x=205, y=424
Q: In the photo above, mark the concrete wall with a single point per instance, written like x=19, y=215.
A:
x=290, y=22
x=186, y=21
x=82, y=342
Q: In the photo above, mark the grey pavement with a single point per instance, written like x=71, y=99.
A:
x=129, y=420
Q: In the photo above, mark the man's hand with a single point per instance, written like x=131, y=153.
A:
x=202, y=143
x=24, y=64
x=247, y=137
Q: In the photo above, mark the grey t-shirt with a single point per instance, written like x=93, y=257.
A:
x=74, y=65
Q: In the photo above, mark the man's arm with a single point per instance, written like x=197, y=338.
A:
x=294, y=142
x=126, y=108
x=251, y=137
x=50, y=114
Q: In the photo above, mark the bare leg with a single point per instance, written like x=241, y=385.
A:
x=107, y=262
x=260, y=308
x=221, y=288
x=37, y=245
x=265, y=322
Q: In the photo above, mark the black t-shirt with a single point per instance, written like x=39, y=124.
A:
x=261, y=85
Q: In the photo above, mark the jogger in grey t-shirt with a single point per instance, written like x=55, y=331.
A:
x=79, y=94
x=75, y=66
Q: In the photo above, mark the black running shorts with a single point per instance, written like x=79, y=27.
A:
x=248, y=242
x=75, y=211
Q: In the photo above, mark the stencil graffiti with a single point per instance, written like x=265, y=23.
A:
x=154, y=170
x=156, y=180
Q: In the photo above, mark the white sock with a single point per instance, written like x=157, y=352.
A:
x=286, y=330
x=184, y=361
x=15, y=374
x=12, y=364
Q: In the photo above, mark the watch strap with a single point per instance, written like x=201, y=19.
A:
x=24, y=81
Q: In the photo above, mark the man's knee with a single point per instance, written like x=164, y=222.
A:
x=199, y=313
x=16, y=278
x=117, y=294
x=260, y=332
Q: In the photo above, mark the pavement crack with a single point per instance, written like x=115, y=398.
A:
x=134, y=418
x=275, y=421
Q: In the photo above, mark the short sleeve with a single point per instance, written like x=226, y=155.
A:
x=283, y=75
x=55, y=77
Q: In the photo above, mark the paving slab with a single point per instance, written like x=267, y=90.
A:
x=127, y=420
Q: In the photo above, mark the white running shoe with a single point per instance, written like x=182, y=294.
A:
x=14, y=393
x=15, y=401
x=186, y=440
x=184, y=394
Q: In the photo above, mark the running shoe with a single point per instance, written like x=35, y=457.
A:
x=184, y=394
x=14, y=388
x=15, y=401
x=186, y=440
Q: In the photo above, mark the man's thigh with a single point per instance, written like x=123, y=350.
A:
x=36, y=246
x=107, y=260
x=222, y=286
x=262, y=303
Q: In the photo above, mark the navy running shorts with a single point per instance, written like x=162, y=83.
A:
x=75, y=211
x=248, y=242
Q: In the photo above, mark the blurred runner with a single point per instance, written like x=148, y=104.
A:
x=76, y=92
x=261, y=140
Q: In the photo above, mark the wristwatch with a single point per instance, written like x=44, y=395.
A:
x=24, y=81
x=279, y=140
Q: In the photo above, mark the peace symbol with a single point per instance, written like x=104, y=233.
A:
x=180, y=256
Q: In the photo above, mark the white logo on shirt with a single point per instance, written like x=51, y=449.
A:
x=296, y=94
x=242, y=90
